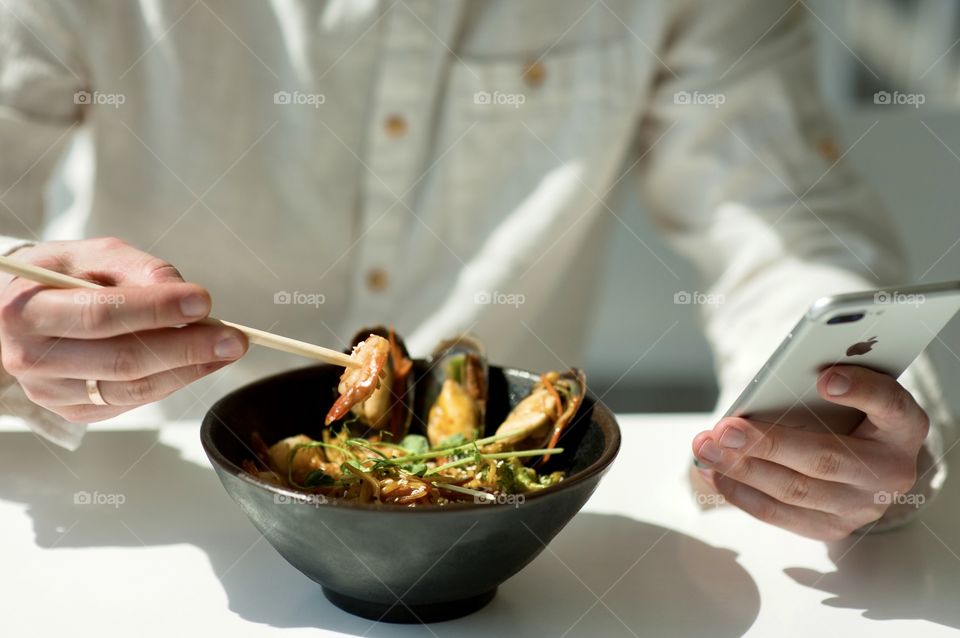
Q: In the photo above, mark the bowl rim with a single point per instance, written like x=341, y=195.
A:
x=611, y=448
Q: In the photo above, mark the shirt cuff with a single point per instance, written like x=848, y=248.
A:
x=57, y=430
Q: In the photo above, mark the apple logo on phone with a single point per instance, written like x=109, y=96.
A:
x=862, y=347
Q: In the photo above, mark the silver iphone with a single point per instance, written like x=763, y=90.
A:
x=884, y=330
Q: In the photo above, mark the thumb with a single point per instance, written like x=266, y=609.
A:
x=894, y=415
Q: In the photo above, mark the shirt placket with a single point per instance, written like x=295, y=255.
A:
x=394, y=149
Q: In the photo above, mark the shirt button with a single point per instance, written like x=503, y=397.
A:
x=828, y=150
x=395, y=125
x=377, y=280
x=534, y=73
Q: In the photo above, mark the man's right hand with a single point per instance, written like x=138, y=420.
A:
x=53, y=340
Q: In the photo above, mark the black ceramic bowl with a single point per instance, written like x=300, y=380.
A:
x=393, y=563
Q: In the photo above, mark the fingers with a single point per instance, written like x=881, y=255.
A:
x=154, y=387
x=124, y=358
x=894, y=414
x=96, y=314
x=105, y=260
x=817, y=484
x=72, y=393
x=820, y=484
x=806, y=522
x=123, y=264
x=814, y=454
x=789, y=486
x=123, y=334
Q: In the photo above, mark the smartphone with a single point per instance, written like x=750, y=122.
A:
x=884, y=330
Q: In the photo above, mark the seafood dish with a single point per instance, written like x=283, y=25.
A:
x=391, y=439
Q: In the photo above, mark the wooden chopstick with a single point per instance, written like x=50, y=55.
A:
x=259, y=337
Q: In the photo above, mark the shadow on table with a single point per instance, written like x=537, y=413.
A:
x=651, y=579
x=908, y=573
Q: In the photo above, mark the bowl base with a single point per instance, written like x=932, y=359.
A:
x=401, y=613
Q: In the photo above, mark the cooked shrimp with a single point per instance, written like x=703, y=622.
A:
x=358, y=384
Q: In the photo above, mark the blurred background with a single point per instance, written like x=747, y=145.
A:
x=878, y=59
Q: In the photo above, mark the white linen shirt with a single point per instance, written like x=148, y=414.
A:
x=431, y=164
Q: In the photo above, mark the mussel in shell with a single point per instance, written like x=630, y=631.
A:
x=541, y=417
x=456, y=391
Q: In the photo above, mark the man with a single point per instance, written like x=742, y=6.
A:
x=400, y=162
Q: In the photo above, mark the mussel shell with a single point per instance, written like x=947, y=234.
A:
x=577, y=381
x=444, y=354
x=546, y=429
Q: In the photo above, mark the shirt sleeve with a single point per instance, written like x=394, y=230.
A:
x=41, y=93
x=744, y=176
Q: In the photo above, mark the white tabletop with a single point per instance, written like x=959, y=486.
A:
x=177, y=557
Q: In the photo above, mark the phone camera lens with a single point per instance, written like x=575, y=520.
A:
x=847, y=318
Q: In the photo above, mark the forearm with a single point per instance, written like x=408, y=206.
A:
x=750, y=191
